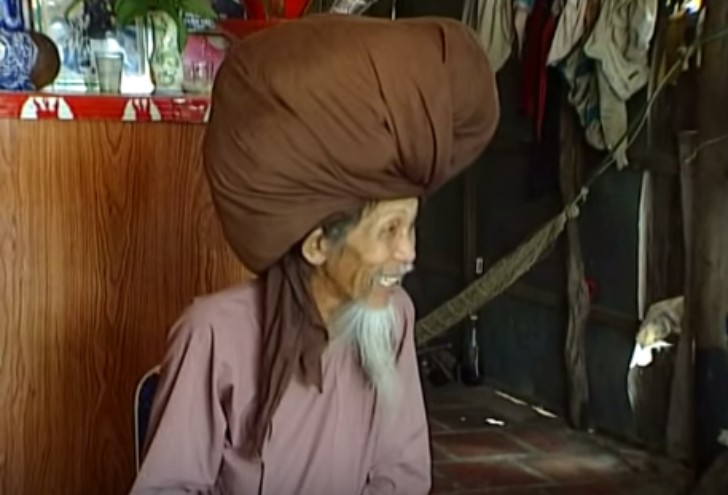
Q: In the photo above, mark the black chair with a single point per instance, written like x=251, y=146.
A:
x=143, y=399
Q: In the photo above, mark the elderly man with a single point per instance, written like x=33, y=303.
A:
x=324, y=135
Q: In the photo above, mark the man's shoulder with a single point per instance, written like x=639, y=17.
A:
x=235, y=301
x=403, y=303
x=405, y=310
x=229, y=314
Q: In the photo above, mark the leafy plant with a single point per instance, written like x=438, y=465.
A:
x=127, y=11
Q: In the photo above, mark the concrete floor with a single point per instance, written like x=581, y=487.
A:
x=484, y=443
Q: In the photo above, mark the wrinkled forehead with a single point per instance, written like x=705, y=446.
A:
x=406, y=207
x=379, y=214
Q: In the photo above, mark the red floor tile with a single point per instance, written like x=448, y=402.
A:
x=461, y=418
x=532, y=455
x=478, y=444
x=436, y=426
x=439, y=453
x=575, y=469
x=585, y=489
x=440, y=484
x=634, y=487
x=506, y=491
x=549, y=439
x=474, y=475
x=638, y=461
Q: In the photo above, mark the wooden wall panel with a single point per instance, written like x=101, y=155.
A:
x=107, y=232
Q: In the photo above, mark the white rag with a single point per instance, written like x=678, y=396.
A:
x=606, y=66
x=620, y=43
x=580, y=74
x=495, y=30
x=569, y=30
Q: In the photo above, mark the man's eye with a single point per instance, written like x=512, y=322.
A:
x=391, y=228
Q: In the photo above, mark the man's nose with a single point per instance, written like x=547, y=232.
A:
x=405, y=250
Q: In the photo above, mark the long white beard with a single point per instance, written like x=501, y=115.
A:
x=372, y=331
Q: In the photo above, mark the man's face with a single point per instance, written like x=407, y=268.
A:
x=375, y=255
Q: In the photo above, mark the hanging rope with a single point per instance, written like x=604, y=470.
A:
x=512, y=267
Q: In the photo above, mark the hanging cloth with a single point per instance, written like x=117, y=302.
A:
x=540, y=29
x=521, y=11
x=579, y=71
x=620, y=45
x=495, y=30
x=569, y=30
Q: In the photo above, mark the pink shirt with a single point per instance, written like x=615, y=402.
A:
x=338, y=442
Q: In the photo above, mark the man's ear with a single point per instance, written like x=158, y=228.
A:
x=315, y=248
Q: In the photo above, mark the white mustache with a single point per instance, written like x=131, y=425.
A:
x=400, y=272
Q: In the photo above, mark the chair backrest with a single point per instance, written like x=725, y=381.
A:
x=143, y=398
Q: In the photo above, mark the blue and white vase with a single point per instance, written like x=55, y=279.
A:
x=11, y=15
x=18, y=54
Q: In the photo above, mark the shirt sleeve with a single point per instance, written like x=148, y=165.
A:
x=402, y=462
x=186, y=433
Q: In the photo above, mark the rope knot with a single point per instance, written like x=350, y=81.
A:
x=572, y=211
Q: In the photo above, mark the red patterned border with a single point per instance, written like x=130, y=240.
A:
x=46, y=106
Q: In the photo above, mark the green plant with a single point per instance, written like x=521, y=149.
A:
x=127, y=11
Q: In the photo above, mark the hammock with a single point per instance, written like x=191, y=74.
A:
x=510, y=268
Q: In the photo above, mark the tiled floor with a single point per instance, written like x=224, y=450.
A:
x=484, y=443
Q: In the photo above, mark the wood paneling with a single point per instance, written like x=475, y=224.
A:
x=107, y=232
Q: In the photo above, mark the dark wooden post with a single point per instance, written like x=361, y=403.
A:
x=680, y=434
x=571, y=158
x=471, y=372
x=707, y=284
